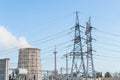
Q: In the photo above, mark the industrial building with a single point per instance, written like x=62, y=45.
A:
x=29, y=58
x=4, y=69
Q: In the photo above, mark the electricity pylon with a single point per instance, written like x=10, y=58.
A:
x=78, y=65
x=90, y=65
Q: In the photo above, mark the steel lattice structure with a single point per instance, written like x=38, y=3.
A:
x=90, y=65
x=78, y=64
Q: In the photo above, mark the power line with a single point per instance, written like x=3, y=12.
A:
x=33, y=42
x=59, y=44
x=107, y=38
x=47, y=39
x=106, y=59
x=109, y=33
x=109, y=44
x=109, y=50
x=106, y=56
x=37, y=40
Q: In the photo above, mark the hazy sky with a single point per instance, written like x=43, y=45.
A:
x=26, y=21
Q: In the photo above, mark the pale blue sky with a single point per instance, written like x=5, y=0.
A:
x=37, y=19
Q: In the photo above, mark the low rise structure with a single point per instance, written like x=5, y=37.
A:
x=4, y=69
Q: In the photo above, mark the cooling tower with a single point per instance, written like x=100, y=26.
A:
x=29, y=58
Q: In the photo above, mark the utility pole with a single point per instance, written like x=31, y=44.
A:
x=61, y=69
x=47, y=75
x=55, y=71
x=55, y=52
x=66, y=56
x=66, y=65
x=78, y=65
x=90, y=65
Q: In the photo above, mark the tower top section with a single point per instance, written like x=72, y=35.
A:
x=77, y=18
x=29, y=49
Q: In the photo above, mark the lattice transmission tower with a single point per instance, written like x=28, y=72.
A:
x=78, y=64
x=90, y=66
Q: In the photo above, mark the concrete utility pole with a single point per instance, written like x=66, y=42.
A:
x=66, y=64
x=55, y=52
x=78, y=64
x=61, y=70
x=66, y=56
x=90, y=65
x=55, y=72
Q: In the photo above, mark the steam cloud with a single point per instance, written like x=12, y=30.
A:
x=8, y=40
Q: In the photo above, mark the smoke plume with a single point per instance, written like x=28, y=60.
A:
x=8, y=40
